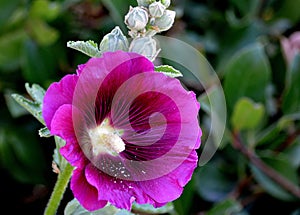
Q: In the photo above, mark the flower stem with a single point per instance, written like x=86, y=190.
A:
x=59, y=190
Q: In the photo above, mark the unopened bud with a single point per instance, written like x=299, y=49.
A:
x=166, y=21
x=114, y=41
x=145, y=3
x=156, y=9
x=145, y=46
x=166, y=3
x=136, y=18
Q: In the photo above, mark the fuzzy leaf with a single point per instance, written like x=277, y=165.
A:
x=44, y=132
x=33, y=107
x=36, y=92
x=57, y=157
x=149, y=209
x=89, y=48
x=168, y=70
x=74, y=208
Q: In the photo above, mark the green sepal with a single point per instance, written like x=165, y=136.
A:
x=57, y=157
x=89, y=48
x=169, y=71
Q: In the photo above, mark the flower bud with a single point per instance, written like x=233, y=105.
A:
x=136, y=18
x=166, y=21
x=145, y=3
x=113, y=41
x=166, y=3
x=156, y=9
x=291, y=46
x=145, y=46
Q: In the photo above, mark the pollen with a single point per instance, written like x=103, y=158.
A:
x=106, y=140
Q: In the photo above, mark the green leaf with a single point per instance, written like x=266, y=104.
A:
x=74, y=208
x=282, y=165
x=247, y=74
x=246, y=8
x=43, y=9
x=149, y=209
x=90, y=48
x=274, y=133
x=226, y=207
x=7, y=9
x=42, y=33
x=36, y=92
x=289, y=9
x=293, y=152
x=212, y=102
x=168, y=70
x=44, y=132
x=213, y=182
x=290, y=100
x=184, y=203
x=247, y=114
x=39, y=63
x=33, y=106
x=12, y=44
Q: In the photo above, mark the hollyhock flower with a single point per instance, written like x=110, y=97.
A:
x=291, y=46
x=131, y=133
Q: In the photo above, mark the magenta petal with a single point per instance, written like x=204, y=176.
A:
x=73, y=154
x=84, y=192
x=170, y=187
x=62, y=126
x=62, y=123
x=58, y=93
x=80, y=68
x=101, y=77
x=119, y=193
x=138, y=63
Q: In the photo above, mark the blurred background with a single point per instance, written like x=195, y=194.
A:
x=249, y=43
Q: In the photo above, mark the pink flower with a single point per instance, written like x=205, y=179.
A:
x=291, y=46
x=131, y=133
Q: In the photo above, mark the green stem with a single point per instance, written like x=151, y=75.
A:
x=59, y=190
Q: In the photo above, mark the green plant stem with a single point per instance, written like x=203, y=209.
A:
x=271, y=173
x=59, y=190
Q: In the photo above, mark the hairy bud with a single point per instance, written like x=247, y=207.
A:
x=145, y=46
x=156, y=9
x=114, y=41
x=166, y=21
x=136, y=18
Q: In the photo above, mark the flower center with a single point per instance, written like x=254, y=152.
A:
x=105, y=139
